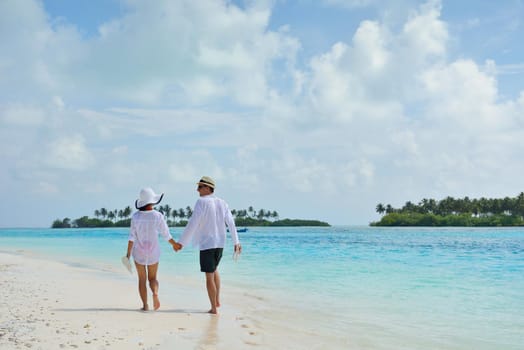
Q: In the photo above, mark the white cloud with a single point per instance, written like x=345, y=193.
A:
x=179, y=51
x=406, y=139
x=424, y=32
x=46, y=188
x=180, y=172
x=58, y=102
x=70, y=153
x=460, y=94
x=348, y=3
x=166, y=94
x=22, y=116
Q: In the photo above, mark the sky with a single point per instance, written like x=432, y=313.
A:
x=314, y=109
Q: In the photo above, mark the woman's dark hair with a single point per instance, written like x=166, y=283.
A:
x=144, y=208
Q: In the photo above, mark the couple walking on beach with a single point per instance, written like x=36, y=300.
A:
x=206, y=229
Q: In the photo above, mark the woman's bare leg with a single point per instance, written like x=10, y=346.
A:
x=153, y=284
x=142, y=288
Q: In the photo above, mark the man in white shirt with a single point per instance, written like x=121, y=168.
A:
x=206, y=230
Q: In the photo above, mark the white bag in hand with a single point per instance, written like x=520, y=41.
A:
x=127, y=264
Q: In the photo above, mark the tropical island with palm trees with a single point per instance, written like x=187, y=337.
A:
x=507, y=211
x=179, y=217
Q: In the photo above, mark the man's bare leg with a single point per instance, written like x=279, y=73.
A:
x=211, y=291
x=142, y=288
x=153, y=284
x=217, y=285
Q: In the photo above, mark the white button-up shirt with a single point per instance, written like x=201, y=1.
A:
x=145, y=227
x=206, y=228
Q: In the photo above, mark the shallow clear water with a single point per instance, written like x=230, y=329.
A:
x=390, y=288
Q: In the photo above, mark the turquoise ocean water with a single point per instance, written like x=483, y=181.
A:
x=368, y=288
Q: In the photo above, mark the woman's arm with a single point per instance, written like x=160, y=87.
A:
x=129, y=248
x=176, y=246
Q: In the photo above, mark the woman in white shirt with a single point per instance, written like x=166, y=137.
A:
x=146, y=224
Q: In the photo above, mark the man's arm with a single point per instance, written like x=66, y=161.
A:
x=192, y=225
x=230, y=222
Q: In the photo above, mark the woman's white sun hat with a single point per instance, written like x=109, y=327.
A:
x=147, y=196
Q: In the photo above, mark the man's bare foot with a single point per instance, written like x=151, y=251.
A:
x=213, y=312
x=156, y=302
x=218, y=303
x=145, y=308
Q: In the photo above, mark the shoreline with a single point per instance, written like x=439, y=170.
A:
x=46, y=304
x=53, y=303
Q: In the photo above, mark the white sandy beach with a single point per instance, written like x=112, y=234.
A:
x=50, y=305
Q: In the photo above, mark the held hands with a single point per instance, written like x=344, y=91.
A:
x=177, y=246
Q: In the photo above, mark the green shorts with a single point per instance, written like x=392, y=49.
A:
x=209, y=259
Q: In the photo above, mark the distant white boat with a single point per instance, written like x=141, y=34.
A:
x=240, y=229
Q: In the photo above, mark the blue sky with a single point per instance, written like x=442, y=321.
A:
x=315, y=109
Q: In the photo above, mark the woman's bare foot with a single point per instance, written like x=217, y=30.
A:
x=214, y=312
x=156, y=302
x=145, y=308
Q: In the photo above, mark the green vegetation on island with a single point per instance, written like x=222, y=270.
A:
x=449, y=211
x=179, y=218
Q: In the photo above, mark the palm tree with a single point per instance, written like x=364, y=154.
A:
x=445, y=206
x=519, y=204
x=97, y=213
x=380, y=208
x=508, y=205
x=484, y=206
x=127, y=211
x=428, y=205
x=189, y=211
x=409, y=207
x=167, y=209
x=475, y=207
x=103, y=212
